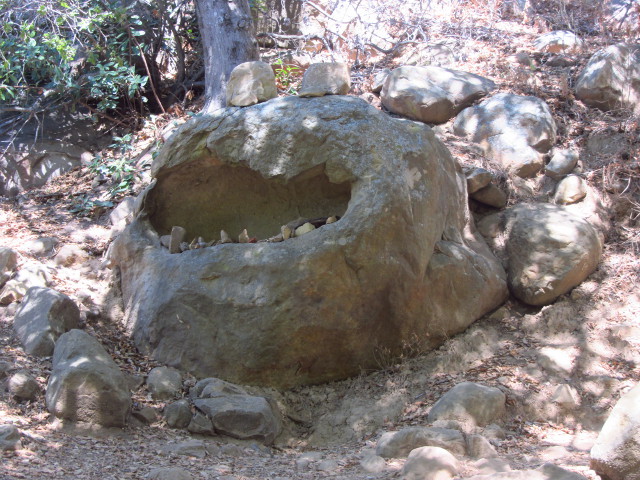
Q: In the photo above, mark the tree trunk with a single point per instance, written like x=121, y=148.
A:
x=227, y=40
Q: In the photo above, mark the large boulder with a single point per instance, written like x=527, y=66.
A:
x=432, y=94
x=400, y=265
x=611, y=79
x=512, y=129
x=548, y=249
x=43, y=316
x=616, y=453
x=85, y=384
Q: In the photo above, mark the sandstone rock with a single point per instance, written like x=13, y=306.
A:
x=400, y=444
x=164, y=383
x=560, y=41
x=241, y=416
x=563, y=161
x=325, y=79
x=251, y=83
x=41, y=246
x=430, y=463
x=373, y=464
x=379, y=79
x=23, y=386
x=491, y=195
x=13, y=291
x=547, y=471
x=512, y=129
x=571, y=189
x=471, y=404
x=611, y=79
x=178, y=414
x=432, y=94
x=477, y=178
x=549, y=250
x=8, y=263
x=403, y=260
x=479, y=447
x=10, y=437
x=70, y=254
x=43, y=316
x=169, y=473
x=201, y=424
x=85, y=384
x=616, y=453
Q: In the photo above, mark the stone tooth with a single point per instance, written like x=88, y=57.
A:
x=332, y=219
x=177, y=237
x=304, y=228
x=225, y=237
x=286, y=232
x=244, y=237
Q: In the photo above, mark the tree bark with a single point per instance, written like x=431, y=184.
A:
x=227, y=41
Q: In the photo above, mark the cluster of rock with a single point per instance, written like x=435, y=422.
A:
x=176, y=244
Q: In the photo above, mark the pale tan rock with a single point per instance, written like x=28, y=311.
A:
x=243, y=237
x=225, y=237
x=477, y=178
x=571, y=189
x=251, y=83
x=430, y=463
x=305, y=228
x=491, y=195
x=286, y=232
x=326, y=79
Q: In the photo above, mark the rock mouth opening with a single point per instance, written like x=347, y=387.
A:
x=205, y=199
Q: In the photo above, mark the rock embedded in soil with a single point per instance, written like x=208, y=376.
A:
x=403, y=262
x=178, y=414
x=547, y=471
x=562, y=162
x=559, y=41
x=471, y=404
x=85, y=384
x=571, y=189
x=43, y=316
x=430, y=463
x=164, y=383
x=399, y=444
x=10, y=437
x=23, y=386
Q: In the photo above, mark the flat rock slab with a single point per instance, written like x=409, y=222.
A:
x=470, y=404
x=398, y=262
x=432, y=94
x=400, y=444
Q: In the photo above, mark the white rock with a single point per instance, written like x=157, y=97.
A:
x=306, y=228
x=571, y=189
x=430, y=463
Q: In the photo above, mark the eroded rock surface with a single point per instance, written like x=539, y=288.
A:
x=400, y=263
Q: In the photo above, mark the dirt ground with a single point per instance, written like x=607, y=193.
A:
x=589, y=339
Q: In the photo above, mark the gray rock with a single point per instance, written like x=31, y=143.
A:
x=5, y=369
x=611, y=79
x=34, y=275
x=251, y=83
x=547, y=471
x=23, y=386
x=13, y=291
x=559, y=41
x=164, y=383
x=325, y=79
x=147, y=415
x=189, y=448
x=432, y=94
x=69, y=255
x=328, y=465
x=549, y=250
x=487, y=466
x=43, y=316
x=563, y=161
x=234, y=310
x=201, y=424
x=470, y=404
x=214, y=387
x=430, y=463
x=8, y=264
x=178, y=414
x=379, y=79
x=477, y=178
x=399, y=444
x=85, y=384
x=373, y=464
x=10, y=437
x=241, y=416
x=124, y=212
x=480, y=447
x=512, y=129
x=491, y=195
x=169, y=473
x=616, y=453
x=571, y=189
x=41, y=246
